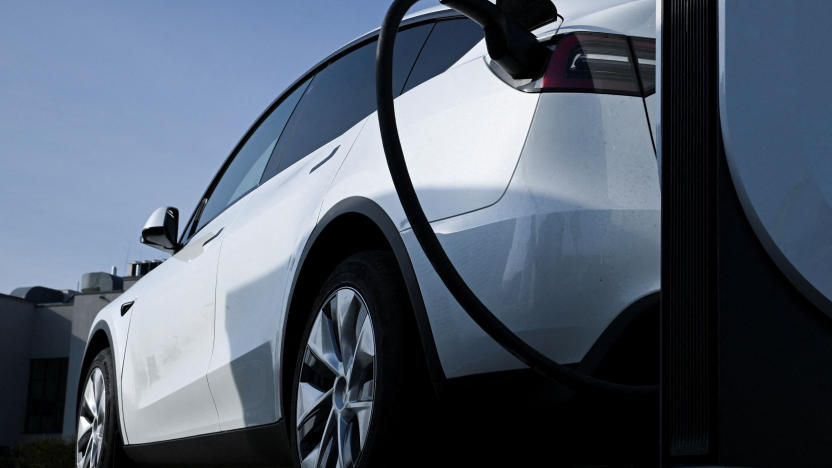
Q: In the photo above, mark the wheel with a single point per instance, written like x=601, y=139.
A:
x=357, y=379
x=96, y=436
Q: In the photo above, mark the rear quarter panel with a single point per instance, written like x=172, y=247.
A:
x=462, y=133
x=572, y=243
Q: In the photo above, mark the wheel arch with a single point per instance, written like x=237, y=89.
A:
x=630, y=342
x=99, y=340
x=364, y=225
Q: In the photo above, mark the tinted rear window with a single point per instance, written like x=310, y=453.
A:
x=340, y=96
x=447, y=43
x=244, y=172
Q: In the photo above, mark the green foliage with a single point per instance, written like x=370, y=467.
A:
x=40, y=453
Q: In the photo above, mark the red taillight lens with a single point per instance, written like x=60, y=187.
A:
x=591, y=62
x=587, y=62
x=645, y=53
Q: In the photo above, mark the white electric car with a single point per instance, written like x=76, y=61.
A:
x=297, y=317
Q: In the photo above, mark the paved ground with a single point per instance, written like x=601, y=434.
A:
x=531, y=422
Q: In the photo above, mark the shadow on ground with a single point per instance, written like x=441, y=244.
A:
x=524, y=420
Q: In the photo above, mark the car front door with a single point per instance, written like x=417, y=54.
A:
x=165, y=390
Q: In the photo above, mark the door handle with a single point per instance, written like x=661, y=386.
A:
x=125, y=307
x=331, y=154
x=212, y=237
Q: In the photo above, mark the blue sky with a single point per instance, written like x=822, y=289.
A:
x=111, y=109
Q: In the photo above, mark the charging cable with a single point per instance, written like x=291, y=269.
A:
x=519, y=55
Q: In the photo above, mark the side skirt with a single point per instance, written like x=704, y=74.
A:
x=266, y=445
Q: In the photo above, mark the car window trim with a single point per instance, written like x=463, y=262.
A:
x=434, y=18
x=263, y=178
x=416, y=60
x=252, y=130
x=429, y=24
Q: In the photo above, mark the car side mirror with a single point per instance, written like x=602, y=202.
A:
x=162, y=229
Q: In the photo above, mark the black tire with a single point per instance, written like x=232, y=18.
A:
x=401, y=385
x=110, y=444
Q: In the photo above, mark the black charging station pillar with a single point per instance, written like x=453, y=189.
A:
x=746, y=359
x=690, y=150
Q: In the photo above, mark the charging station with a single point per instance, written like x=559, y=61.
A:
x=745, y=335
x=746, y=341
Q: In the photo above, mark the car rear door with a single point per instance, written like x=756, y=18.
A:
x=258, y=251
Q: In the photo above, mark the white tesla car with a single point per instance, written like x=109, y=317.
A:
x=298, y=318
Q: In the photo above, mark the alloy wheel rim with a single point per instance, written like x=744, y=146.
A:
x=336, y=389
x=91, y=421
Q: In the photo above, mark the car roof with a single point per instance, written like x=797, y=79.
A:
x=632, y=17
x=427, y=14
x=438, y=12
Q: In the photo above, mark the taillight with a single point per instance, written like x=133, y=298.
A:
x=588, y=62
x=645, y=53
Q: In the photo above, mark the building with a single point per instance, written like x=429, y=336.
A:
x=43, y=333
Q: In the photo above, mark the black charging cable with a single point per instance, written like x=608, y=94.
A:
x=469, y=301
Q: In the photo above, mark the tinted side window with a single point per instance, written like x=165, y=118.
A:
x=409, y=43
x=245, y=170
x=447, y=43
x=340, y=96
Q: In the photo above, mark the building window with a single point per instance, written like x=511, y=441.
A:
x=47, y=389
